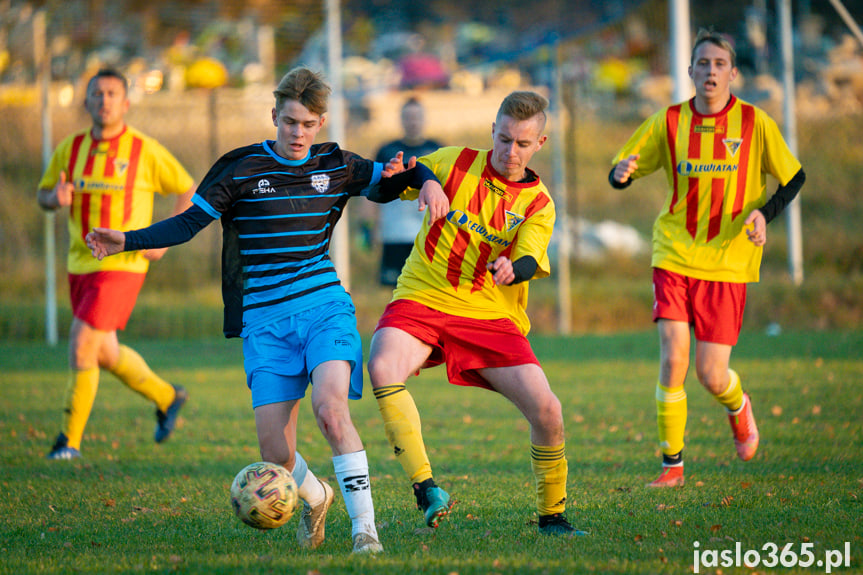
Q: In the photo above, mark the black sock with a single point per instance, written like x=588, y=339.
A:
x=671, y=460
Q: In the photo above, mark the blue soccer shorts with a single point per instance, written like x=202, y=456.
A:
x=280, y=357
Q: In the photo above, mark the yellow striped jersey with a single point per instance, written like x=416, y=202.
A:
x=489, y=216
x=114, y=185
x=716, y=167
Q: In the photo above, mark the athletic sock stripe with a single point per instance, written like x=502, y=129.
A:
x=388, y=390
x=541, y=454
x=670, y=397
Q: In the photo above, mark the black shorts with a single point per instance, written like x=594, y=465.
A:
x=393, y=259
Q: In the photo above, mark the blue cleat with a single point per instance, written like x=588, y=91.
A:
x=434, y=501
x=61, y=449
x=557, y=524
x=165, y=421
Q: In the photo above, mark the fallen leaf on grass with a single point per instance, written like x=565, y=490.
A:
x=715, y=528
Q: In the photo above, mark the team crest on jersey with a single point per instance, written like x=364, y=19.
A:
x=732, y=145
x=120, y=166
x=512, y=221
x=321, y=183
x=264, y=187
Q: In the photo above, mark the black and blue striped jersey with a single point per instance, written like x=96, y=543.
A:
x=277, y=218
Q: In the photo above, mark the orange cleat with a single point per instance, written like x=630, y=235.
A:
x=745, y=430
x=670, y=477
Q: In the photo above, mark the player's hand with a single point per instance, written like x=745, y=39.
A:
x=397, y=166
x=757, y=233
x=155, y=254
x=625, y=167
x=501, y=270
x=105, y=242
x=433, y=197
x=63, y=191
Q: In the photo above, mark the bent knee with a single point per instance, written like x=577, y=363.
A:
x=384, y=370
x=549, y=413
x=333, y=421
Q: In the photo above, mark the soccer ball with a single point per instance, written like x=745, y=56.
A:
x=264, y=495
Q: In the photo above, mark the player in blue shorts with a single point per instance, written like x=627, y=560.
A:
x=279, y=202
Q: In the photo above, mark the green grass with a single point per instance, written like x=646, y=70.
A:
x=132, y=506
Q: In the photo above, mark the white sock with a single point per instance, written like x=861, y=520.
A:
x=352, y=473
x=309, y=488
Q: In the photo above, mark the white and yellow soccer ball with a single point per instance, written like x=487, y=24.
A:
x=264, y=495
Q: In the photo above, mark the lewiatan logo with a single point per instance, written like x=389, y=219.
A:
x=463, y=221
x=688, y=168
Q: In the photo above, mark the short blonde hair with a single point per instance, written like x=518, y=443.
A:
x=306, y=87
x=523, y=105
x=715, y=38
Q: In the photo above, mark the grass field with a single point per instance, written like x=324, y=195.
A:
x=130, y=506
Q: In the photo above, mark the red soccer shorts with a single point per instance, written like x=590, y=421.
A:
x=105, y=300
x=465, y=344
x=714, y=309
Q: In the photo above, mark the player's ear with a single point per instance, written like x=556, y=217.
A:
x=539, y=143
x=275, y=118
x=323, y=120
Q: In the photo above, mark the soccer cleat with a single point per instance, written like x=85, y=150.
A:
x=434, y=501
x=165, y=421
x=745, y=430
x=556, y=524
x=61, y=449
x=313, y=520
x=670, y=477
x=365, y=543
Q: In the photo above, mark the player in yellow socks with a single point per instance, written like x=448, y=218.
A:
x=461, y=298
x=107, y=176
x=716, y=151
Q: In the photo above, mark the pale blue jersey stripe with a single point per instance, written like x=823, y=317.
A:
x=303, y=215
x=277, y=199
x=283, y=234
x=205, y=205
x=279, y=291
x=284, y=250
x=271, y=267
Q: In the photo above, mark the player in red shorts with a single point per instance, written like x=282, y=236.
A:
x=708, y=239
x=461, y=297
x=107, y=176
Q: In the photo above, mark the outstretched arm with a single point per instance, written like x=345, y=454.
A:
x=182, y=203
x=418, y=176
x=104, y=242
x=176, y=230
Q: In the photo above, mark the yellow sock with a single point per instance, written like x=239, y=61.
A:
x=550, y=470
x=80, y=395
x=132, y=370
x=670, y=418
x=404, y=430
x=732, y=398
